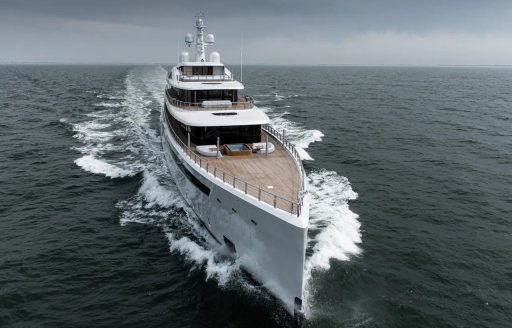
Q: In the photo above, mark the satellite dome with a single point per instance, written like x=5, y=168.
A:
x=209, y=38
x=189, y=38
x=184, y=57
x=215, y=57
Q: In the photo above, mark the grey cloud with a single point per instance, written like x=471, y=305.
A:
x=142, y=31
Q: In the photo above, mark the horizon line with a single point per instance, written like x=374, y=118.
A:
x=59, y=63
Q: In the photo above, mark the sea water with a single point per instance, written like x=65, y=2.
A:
x=409, y=169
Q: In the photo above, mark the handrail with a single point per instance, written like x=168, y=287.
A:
x=248, y=103
x=291, y=149
x=222, y=77
x=263, y=195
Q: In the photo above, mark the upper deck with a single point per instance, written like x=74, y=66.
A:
x=227, y=101
x=202, y=76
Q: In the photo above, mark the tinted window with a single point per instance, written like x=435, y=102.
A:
x=227, y=134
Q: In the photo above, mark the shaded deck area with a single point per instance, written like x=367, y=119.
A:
x=272, y=178
x=236, y=104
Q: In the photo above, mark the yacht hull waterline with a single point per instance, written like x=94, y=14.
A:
x=266, y=232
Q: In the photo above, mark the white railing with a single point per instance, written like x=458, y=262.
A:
x=291, y=149
x=246, y=103
x=188, y=78
x=285, y=204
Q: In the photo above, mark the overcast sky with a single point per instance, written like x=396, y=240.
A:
x=363, y=32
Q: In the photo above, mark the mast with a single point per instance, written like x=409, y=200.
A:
x=201, y=39
x=200, y=52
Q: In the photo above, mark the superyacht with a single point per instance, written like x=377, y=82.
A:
x=243, y=179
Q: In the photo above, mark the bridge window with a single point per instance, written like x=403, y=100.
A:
x=202, y=70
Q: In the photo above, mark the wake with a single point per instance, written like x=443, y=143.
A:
x=120, y=139
x=334, y=231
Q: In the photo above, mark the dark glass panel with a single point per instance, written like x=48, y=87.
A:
x=202, y=70
x=227, y=134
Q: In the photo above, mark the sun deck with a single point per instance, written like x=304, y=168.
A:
x=273, y=178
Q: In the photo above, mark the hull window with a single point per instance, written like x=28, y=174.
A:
x=201, y=186
x=229, y=244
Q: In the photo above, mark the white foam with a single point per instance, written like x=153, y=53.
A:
x=299, y=136
x=278, y=97
x=103, y=114
x=110, y=97
x=89, y=131
x=115, y=131
x=96, y=125
x=220, y=270
x=156, y=193
x=109, y=104
x=97, y=149
x=155, y=82
x=160, y=204
x=335, y=225
x=154, y=203
x=91, y=164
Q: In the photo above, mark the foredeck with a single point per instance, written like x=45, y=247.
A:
x=273, y=178
x=275, y=172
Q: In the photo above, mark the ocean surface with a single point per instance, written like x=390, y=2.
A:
x=410, y=170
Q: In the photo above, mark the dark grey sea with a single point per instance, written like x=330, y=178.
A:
x=410, y=170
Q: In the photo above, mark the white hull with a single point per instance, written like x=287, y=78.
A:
x=269, y=242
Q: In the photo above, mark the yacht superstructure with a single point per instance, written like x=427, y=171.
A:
x=242, y=178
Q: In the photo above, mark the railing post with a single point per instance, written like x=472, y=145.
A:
x=259, y=193
x=292, y=208
x=215, y=172
x=207, y=169
x=223, y=176
x=218, y=147
x=275, y=201
x=234, y=178
x=246, y=188
x=266, y=146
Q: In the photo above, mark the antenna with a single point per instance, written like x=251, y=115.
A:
x=178, y=39
x=241, y=57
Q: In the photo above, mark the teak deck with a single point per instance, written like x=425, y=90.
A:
x=275, y=172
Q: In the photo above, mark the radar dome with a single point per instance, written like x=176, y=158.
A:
x=184, y=57
x=215, y=57
x=209, y=38
x=189, y=38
